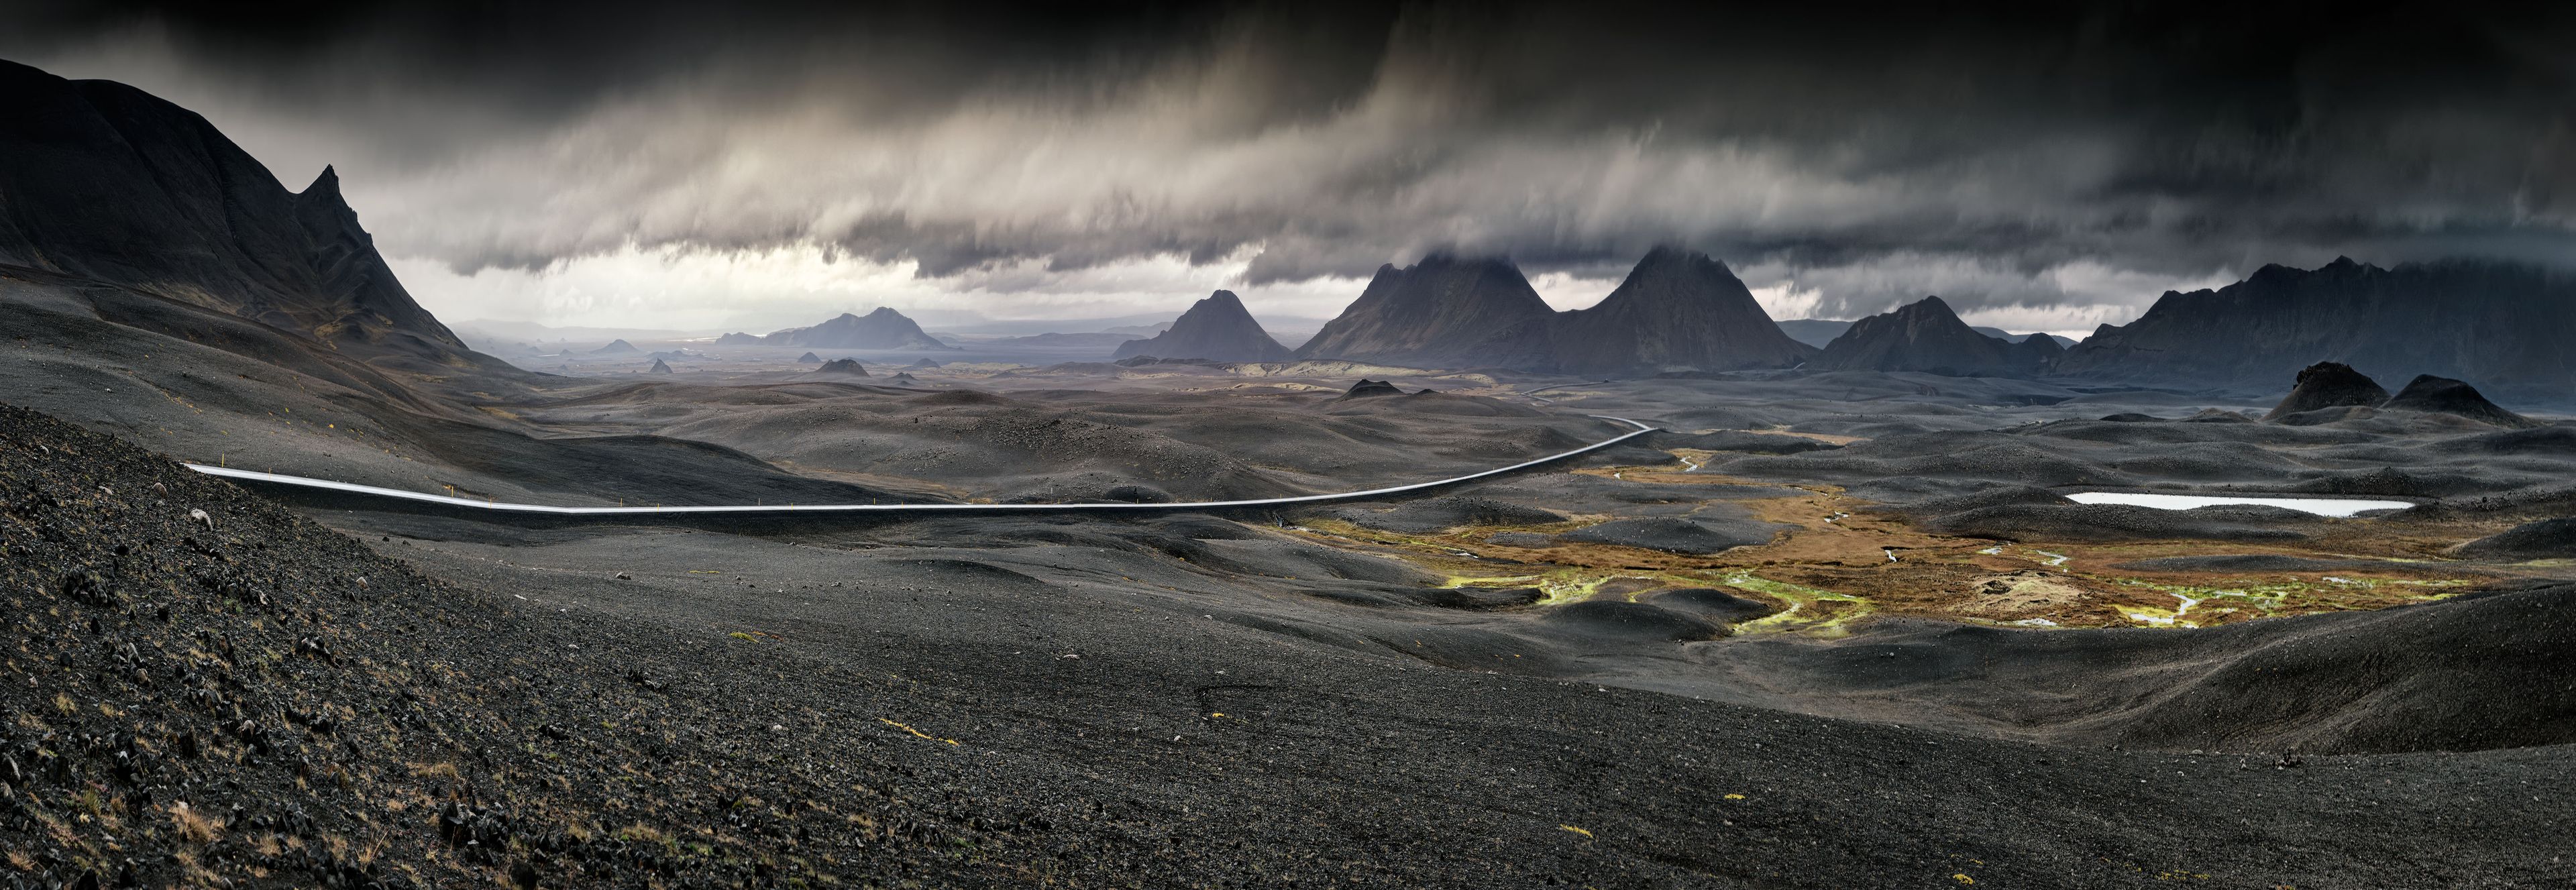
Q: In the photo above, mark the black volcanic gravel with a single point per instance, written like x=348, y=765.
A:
x=501, y=724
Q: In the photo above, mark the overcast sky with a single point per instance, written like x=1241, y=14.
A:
x=670, y=166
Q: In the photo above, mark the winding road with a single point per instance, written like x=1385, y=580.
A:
x=773, y=509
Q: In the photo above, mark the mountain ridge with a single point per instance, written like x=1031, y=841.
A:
x=1676, y=310
x=2503, y=325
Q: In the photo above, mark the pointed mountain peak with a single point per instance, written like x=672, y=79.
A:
x=326, y=184
x=1216, y=327
x=1666, y=255
x=1928, y=307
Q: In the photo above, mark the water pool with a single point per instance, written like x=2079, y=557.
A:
x=2319, y=506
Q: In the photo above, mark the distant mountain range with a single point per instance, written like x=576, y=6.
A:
x=1926, y=336
x=2506, y=328
x=1675, y=311
x=1217, y=328
x=881, y=329
x=1817, y=332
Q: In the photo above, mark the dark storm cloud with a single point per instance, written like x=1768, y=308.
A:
x=2019, y=158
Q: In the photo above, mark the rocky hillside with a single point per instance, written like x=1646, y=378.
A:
x=1676, y=310
x=881, y=329
x=202, y=689
x=2503, y=327
x=101, y=181
x=1920, y=336
x=1214, y=328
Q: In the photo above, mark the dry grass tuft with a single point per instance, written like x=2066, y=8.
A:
x=194, y=827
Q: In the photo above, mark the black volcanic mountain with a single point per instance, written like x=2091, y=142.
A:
x=2506, y=326
x=2329, y=385
x=1920, y=336
x=1443, y=312
x=660, y=367
x=1675, y=311
x=1214, y=328
x=615, y=347
x=2443, y=395
x=102, y=181
x=2037, y=353
x=882, y=329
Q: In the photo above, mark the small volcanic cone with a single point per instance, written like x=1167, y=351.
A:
x=1367, y=388
x=660, y=367
x=2443, y=395
x=842, y=367
x=809, y=359
x=2329, y=385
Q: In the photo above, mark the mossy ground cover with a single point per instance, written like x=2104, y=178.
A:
x=1844, y=562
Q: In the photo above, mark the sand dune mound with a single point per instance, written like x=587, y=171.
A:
x=2329, y=385
x=2443, y=395
x=1616, y=621
x=2545, y=539
x=1751, y=443
x=1674, y=534
x=2120, y=522
x=959, y=397
x=1437, y=514
x=1711, y=604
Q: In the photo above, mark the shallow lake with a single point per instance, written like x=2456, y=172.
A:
x=2319, y=506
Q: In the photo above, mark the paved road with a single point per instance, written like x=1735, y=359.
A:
x=541, y=509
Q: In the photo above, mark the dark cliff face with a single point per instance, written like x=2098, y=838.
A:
x=1218, y=328
x=2507, y=327
x=881, y=329
x=1442, y=312
x=103, y=181
x=1675, y=311
x=1920, y=336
